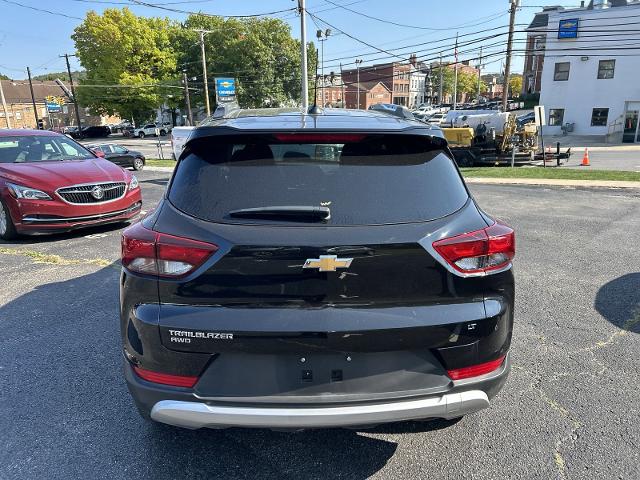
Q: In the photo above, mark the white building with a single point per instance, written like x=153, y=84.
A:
x=417, y=86
x=591, y=66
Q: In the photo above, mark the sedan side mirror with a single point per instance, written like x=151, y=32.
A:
x=98, y=153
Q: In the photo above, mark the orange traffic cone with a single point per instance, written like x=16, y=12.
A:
x=585, y=159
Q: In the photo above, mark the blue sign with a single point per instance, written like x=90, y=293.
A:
x=225, y=89
x=53, y=107
x=568, y=28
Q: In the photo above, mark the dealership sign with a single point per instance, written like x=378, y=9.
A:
x=568, y=28
x=225, y=89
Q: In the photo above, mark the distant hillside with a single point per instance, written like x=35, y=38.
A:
x=61, y=75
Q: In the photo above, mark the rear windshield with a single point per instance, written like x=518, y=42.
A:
x=40, y=148
x=379, y=179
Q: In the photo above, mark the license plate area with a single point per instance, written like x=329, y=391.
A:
x=241, y=375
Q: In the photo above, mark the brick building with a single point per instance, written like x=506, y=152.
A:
x=494, y=86
x=394, y=76
x=371, y=93
x=20, y=108
x=333, y=89
x=534, y=59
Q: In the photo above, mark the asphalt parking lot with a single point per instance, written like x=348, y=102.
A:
x=570, y=409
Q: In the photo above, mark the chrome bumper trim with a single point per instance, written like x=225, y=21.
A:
x=117, y=213
x=195, y=415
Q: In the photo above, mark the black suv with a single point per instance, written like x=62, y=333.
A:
x=319, y=270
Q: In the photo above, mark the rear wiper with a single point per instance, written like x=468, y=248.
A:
x=295, y=213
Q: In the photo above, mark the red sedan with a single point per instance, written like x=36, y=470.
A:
x=50, y=183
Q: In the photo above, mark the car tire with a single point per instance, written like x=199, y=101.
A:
x=138, y=164
x=163, y=133
x=140, y=134
x=7, y=228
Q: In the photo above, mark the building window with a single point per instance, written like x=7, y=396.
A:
x=556, y=116
x=606, y=69
x=561, y=73
x=599, y=117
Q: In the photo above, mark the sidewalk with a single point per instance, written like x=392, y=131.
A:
x=592, y=142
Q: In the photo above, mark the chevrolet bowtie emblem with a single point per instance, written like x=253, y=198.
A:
x=327, y=263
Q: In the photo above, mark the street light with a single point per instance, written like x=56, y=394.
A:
x=322, y=37
x=358, y=62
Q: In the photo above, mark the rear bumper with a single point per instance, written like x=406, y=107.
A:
x=183, y=408
x=197, y=415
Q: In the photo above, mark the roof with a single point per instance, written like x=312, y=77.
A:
x=17, y=91
x=289, y=119
x=540, y=20
x=26, y=132
x=367, y=86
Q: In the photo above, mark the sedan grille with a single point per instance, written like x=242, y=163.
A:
x=94, y=193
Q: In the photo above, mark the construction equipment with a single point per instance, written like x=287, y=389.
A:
x=494, y=139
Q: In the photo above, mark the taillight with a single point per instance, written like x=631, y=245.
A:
x=165, y=378
x=479, y=252
x=152, y=253
x=475, y=370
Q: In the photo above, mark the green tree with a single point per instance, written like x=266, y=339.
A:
x=64, y=76
x=259, y=52
x=515, y=85
x=130, y=57
x=4, y=77
x=467, y=82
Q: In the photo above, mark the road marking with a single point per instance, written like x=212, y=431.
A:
x=96, y=235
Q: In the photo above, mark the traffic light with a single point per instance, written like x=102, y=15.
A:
x=40, y=124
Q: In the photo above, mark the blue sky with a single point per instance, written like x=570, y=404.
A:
x=35, y=39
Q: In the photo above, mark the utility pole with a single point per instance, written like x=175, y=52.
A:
x=441, y=79
x=204, y=70
x=344, y=100
x=322, y=37
x=33, y=98
x=73, y=93
x=507, y=68
x=303, y=55
x=358, y=62
x=455, y=80
x=4, y=106
x=187, y=99
x=479, y=75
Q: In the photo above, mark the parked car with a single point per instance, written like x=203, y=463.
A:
x=94, y=131
x=325, y=271
x=127, y=131
x=526, y=118
x=119, y=155
x=436, y=118
x=179, y=136
x=50, y=183
x=149, y=130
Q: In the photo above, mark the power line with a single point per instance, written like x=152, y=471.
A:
x=189, y=12
x=42, y=10
x=390, y=22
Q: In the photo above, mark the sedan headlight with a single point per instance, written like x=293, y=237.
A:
x=18, y=191
x=133, y=183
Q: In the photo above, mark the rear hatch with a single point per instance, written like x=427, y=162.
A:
x=320, y=262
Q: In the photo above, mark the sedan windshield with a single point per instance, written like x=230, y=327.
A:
x=40, y=148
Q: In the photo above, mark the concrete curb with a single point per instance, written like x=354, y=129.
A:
x=158, y=169
x=556, y=182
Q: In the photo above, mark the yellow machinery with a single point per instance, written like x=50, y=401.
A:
x=459, y=136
